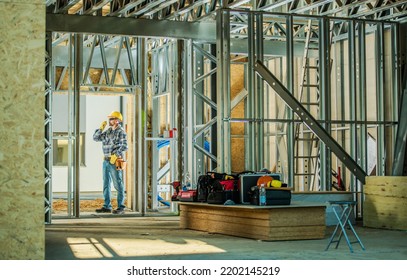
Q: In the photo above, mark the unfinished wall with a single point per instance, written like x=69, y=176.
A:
x=22, y=63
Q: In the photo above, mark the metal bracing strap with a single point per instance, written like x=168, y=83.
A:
x=310, y=121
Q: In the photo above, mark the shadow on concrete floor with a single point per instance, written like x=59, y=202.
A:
x=108, y=237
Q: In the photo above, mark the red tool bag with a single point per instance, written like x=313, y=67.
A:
x=187, y=196
x=223, y=190
x=226, y=185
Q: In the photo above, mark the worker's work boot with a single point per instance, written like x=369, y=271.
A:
x=118, y=211
x=103, y=210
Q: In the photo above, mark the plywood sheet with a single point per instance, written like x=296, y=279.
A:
x=264, y=224
x=385, y=204
x=386, y=180
x=22, y=126
x=386, y=190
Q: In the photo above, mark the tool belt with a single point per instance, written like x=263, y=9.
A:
x=120, y=164
x=107, y=158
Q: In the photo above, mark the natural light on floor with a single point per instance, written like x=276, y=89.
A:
x=85, y=248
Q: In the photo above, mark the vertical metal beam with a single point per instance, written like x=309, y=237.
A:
x=78, y=51
x=362, y=145
x=290, y=87
x=249, y=103
x=259, y=94
x=180, y=105
x=325, y=101
x=223, y=89
x=352, y=96
x=155, y=124
x=396, y=78
x=71, y=171
x=141, y=122
x=198, y=69
x=213, y=91
x=381, y=157
x=189, y=121
x=173, y=62
x=250, y=144
x=340, y=100
x=362, y=96
x=48, y=153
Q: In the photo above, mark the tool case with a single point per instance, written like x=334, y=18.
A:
x=274, y=196
x=246, y=181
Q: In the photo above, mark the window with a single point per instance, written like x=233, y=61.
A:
x=60, y=147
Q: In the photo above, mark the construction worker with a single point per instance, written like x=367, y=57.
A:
x=114, y=141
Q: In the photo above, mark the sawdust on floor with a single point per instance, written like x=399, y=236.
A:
x=61, y=205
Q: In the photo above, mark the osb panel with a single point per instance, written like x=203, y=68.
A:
x=385, y=212
x=386, y=181
x=385, y=202
x=386, y=190
x=251, y=223
x=22, y=126
x=237, y=153
x=237, y=144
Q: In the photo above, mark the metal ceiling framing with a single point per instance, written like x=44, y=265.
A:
x=203, y=10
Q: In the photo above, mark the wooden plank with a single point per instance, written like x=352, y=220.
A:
x=386, y=190
x=385, y=212
x=394, y=221
x=256, y=232
x=385, y=221
x=300, y=232
x=386, y=180
x=232, y=212
x=229, y=229
x=386, y=204
x=242, y=221
x=297, y=216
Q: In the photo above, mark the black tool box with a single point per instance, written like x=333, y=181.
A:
x=246, y=181
x=274, y=196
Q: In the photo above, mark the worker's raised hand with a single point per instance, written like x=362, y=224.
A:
x=103, y=125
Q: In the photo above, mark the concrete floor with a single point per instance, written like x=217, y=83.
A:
x=158, y=237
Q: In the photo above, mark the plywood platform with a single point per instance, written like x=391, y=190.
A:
x=297, y=221
x=385, y=204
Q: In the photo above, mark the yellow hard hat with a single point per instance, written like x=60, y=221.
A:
x=116, y=115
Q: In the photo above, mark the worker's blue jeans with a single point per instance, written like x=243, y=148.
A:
x=110, y=174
